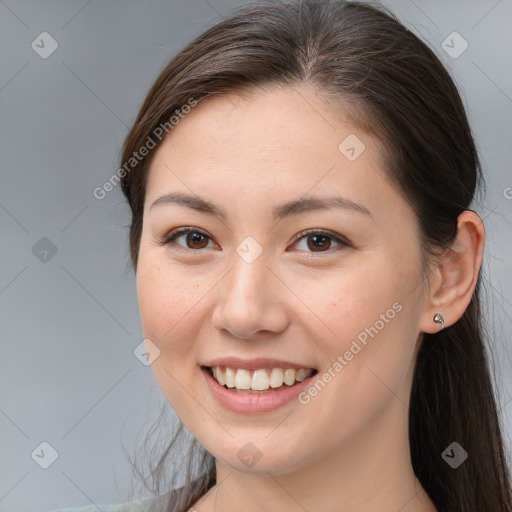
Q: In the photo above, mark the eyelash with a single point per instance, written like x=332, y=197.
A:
x=176, y=233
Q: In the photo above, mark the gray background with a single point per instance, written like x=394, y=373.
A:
x=70, y=324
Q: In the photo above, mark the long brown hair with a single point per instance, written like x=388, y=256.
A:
x=392, y=84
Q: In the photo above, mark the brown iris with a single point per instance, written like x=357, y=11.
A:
x=197, y=238
x=319, y=242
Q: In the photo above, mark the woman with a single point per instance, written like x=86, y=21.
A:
x=308, y=267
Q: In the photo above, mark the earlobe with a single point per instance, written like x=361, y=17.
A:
x=454, y=279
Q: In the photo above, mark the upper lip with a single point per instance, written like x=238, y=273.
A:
x=254, y=364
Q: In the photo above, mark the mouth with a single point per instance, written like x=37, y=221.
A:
x=258, y=381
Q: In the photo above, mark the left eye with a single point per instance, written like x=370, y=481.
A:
x=319, y=241
x=316, y=241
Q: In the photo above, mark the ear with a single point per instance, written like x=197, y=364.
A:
x=454, y=279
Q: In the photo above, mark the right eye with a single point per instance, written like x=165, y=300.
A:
x=194, y=239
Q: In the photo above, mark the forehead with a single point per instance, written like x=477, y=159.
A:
x=264, y=126
x=268, y=145
x=268, y=117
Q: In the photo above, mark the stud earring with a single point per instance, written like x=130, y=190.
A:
x=438, y=319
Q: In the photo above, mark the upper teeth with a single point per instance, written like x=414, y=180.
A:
x=260, y=379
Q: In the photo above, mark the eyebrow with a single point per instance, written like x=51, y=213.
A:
x=295, y=207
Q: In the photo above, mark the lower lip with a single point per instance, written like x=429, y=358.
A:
x=253, y=403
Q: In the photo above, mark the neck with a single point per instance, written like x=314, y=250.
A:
x=371, y=471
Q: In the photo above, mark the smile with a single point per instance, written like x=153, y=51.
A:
x=256, y=391
x=264, y=379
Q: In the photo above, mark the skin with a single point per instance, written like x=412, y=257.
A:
x=347, y=449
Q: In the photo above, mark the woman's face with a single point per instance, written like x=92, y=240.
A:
x=344, y=298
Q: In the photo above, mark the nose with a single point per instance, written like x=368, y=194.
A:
x=250, y=300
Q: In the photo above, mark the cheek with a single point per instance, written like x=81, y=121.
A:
x=372, y=318
x=352, y=299
x=156, y=296
x=166, y=307
x=165, y=296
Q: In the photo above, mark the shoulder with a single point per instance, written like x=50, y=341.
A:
x=145, y=505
